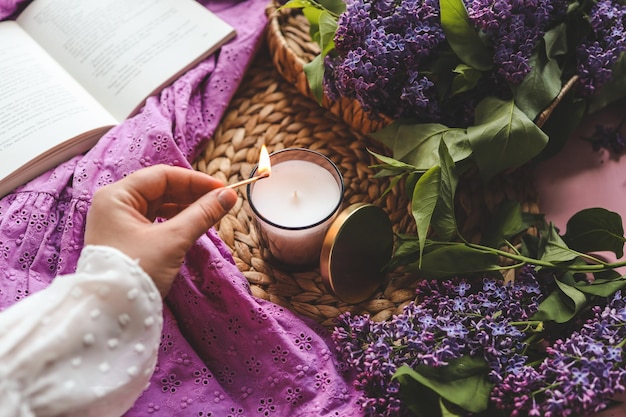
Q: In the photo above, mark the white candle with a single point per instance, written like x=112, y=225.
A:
x=296, y=194
x=295, y=205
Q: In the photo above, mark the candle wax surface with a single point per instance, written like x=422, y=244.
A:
x=296, y=194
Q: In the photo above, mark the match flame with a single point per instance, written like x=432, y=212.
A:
x=265, y=166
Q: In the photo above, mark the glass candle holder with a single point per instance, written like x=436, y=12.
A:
x=296, y=204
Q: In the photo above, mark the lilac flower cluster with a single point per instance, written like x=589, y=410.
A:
x=579, y=374
x=453, y=319
x=380, y=46
x=598, y=53
x=391, y=55
x=513, y=28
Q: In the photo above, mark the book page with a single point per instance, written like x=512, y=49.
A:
x=122, y=51
x=40, y=105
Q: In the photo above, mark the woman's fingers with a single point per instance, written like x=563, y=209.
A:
x=201, y=215
x=164, y=184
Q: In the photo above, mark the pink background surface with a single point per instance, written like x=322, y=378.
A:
x=579, y=177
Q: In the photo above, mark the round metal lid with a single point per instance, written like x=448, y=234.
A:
x=358, y=244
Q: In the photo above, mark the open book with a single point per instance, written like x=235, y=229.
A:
x=72, y=69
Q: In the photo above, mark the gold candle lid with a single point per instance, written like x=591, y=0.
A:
x=358, y=244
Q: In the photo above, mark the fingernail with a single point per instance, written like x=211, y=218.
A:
x=227, y=198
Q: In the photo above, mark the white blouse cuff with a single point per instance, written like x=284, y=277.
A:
x=86, y=345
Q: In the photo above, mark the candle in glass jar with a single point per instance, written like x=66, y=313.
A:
x=296, y=194
x=295, y=205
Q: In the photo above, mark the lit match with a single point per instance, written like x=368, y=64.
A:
x=248, y=181
x=264, y=169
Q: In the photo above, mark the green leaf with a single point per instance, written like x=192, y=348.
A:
x=444, y=221
x=445, y=412
x=577, y=297
x=394, y=181
x=594, y=230
x=314, y=71
x=442, y=68
x=556, y=250
x=313, y=15
x=411, y=182
x=561, y=305
x=602, y=287
x=442, y=261
x=466, y=79
x=503, y=137
x=540, y=86
x=336, y=7
x=406, y=253
x=554, y=308
x=462, y=37
x=296, y=4
x=408, y=247
x=463, y=382
x=420, y=400
x=424, y=201
x=456, y=369
x=323, y=25
x=506, y=221
x=608, y=275
x=556, y=41
x=613, y=90
x=328, y=27
x=417, y=144
x=322, y=18
x=391, y=162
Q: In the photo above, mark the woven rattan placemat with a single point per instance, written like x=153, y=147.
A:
x=269, y=110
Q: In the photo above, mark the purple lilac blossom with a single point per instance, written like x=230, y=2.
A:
x=513, y=28
x=580, y=374
x=598, y=53
x=386, y=52
x=453, y=318
x=381, y=47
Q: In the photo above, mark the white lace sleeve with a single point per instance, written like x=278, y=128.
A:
x=86, y=345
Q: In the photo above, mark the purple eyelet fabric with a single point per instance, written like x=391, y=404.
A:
x=223, y=352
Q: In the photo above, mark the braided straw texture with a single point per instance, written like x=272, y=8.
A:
x=269, y=110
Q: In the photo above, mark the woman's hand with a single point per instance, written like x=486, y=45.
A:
x=122, y=216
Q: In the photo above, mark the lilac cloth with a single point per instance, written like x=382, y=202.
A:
x=223, y=352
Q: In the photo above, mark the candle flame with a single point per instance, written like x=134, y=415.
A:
x=265, y=166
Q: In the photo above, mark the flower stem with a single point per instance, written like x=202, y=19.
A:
x=597, y=267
